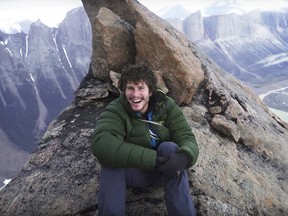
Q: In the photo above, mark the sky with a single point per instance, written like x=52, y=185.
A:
x=52, y=12
x=195, y=5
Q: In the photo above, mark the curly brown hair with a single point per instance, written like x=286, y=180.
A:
x=137, y=73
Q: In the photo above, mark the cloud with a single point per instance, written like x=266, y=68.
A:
x=50, y=12
x=193, y=5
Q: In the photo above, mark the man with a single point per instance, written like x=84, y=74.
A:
x=143, y=139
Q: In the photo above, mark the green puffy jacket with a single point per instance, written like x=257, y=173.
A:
x=120, y=139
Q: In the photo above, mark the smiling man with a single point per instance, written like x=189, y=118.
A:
x=137, y=93
x=142, y=139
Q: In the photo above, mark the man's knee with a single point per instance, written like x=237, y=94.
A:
x=167, y=148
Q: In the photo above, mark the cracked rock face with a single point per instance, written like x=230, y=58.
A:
x=243, y=162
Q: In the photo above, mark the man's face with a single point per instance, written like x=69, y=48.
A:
x=137, y=94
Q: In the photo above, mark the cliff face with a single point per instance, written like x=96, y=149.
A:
x=262, y=36
x=242, y=167
x=36, y=68
x=251, y=46
x=39, y=72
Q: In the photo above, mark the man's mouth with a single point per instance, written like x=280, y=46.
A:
x=136, y=100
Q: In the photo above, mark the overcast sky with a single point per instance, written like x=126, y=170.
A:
x=52, y=12
x=194, y=5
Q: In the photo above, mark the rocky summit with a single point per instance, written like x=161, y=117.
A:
x=243, y=164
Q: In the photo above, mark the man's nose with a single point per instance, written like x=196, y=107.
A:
x=135, y=92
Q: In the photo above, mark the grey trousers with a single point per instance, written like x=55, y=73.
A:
x=112, y=191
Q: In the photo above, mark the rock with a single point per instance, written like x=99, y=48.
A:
x=181, y=70
x=114, y=45
x=228, y=128
x=242, y=166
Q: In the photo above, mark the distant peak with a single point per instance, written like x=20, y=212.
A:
x=225, y=7
x=38, y=21
x=176, y=11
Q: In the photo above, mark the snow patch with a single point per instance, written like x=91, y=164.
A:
x=26, y=53
x=32, y=78
x=64, y=49
x=43, y=112
x=9, y=51
x=274, y=59
x=6, y=181
x=262, y=96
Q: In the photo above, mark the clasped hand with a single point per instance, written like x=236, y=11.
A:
x=172, y=166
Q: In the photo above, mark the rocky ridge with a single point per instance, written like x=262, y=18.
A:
x=242, y=167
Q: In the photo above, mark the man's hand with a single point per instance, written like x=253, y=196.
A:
x=160, y=160
x=172, y=167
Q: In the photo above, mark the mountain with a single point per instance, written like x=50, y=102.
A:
x=224, y=7
x=252, y=47
x=39, y=73
x=12, y=158
x=176, y=11
x=243, y=160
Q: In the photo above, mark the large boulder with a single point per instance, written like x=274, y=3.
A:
x=129, y=33
x=243, y=161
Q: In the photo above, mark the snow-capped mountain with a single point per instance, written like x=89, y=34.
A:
x=252, y=46
x=216, y=7
x=224, y=7
x=177, y=11
x=39, y=72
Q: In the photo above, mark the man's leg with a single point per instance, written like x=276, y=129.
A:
x=177, y=193
x=112, y=192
